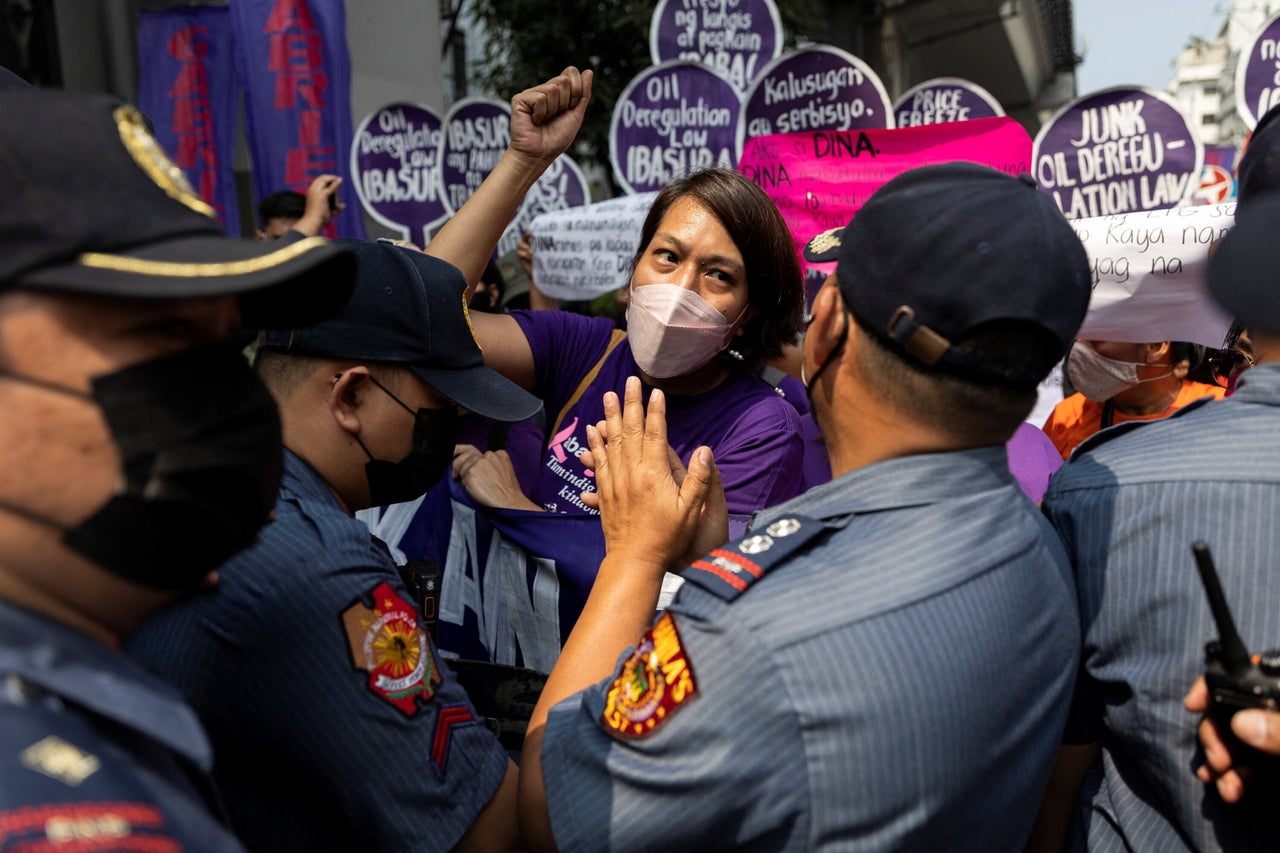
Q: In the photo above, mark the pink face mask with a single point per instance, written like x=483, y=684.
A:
x=674, y=331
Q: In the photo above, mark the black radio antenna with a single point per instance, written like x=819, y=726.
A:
x=1234, y=653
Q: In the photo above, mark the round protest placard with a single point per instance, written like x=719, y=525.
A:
x=1258, y=74
x=476, y=133
x=815, y=88
x=944, y=99
x=672, y=119
x=1116, y=151
x=734, y=37
x=395, y=161
x=560, y=187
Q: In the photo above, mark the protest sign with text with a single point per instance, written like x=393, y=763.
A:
x=395, y=161
x=1149, y=275
x=1258, y=73
x=673, y=119
x=584, y=252
x=477, y=132
x=560, y=187
x=944, y=99
x=733, y=37
x=1116, y=151
x=820, y=179
x=815, y=88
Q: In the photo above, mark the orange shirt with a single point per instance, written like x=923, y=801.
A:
x=1077, y=417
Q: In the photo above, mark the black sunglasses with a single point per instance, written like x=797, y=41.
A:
x=1227, y=362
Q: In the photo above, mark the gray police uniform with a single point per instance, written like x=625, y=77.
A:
x=334, y=724
x=1128, y=505
x=884, y=663
x=95, y=753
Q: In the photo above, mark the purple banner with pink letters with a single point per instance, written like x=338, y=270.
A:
x=1117, y=151
x=186, y=86
x=291, y=56
x=1258, y=74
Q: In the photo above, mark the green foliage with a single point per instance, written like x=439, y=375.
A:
x=533, y=40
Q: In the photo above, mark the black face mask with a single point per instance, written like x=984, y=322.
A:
x=199, y=442
x=435, y=432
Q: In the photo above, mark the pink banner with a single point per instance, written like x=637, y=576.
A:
x=820, y=179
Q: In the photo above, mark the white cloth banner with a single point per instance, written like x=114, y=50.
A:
x=584, y=252
x=1149, y=275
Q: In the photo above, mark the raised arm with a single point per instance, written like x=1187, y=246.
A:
x=544, y=122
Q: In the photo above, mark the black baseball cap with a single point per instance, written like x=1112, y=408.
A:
x=941, y=250
x=409, y=308
x=1242, y=268
x=93, y=205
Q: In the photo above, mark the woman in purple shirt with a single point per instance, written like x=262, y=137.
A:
x=715, y=289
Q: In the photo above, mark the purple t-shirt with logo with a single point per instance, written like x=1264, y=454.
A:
x=753, y=432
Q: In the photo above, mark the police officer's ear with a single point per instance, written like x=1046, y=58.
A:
x=346, y=393
x=826, y=327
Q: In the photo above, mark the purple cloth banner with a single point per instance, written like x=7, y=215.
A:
x=515, y=581
x=186, y=87
x=291, y=56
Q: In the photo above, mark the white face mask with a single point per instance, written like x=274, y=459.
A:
x=1100, y=378
x=674, y=331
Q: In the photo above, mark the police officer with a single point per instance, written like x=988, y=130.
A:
x=335, y=722
x=884, y=662
x=138, y=451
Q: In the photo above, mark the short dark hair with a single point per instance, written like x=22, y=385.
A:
x=285, y=204
x=283, y=372
x=775, y=284
x=1016, y=354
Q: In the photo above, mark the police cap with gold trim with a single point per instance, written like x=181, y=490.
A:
x=91, y=204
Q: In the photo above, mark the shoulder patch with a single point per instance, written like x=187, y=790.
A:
x=387, y=643
x=727, y=572
x=655, y=680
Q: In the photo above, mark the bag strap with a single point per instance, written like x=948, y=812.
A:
x=616, y=337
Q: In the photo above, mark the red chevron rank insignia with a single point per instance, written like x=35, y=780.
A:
x=656, y=678
x=449, y=719
x=387, y=643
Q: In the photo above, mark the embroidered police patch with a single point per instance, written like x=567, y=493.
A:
x=387, y=643
x=655, y=679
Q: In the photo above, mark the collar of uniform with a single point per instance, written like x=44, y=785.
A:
x=305, y=482
x=901, y=482
x=1260, y=384
x=73, y=666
